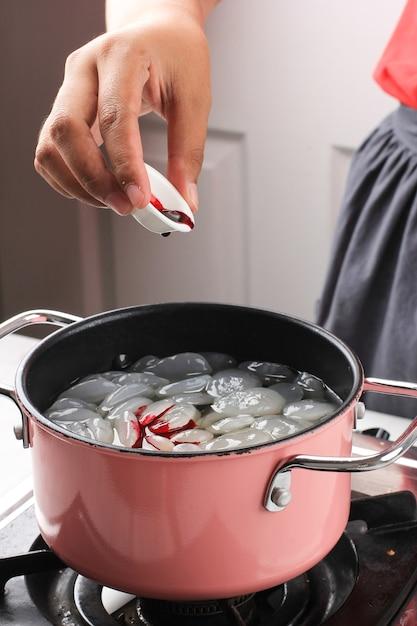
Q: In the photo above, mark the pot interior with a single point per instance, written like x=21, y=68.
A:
x=91, y=345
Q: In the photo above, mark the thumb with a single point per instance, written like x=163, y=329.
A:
x=187, y=129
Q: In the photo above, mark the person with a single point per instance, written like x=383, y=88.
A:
x=143, y=64
x=370, y=294
x=153, y=57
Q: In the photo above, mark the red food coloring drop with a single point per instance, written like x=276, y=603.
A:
x=175, y=216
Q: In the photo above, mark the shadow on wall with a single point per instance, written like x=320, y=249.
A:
x=39, y=243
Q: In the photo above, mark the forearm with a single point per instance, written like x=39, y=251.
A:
x=120, y=14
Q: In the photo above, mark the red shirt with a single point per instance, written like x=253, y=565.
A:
x=396, y=72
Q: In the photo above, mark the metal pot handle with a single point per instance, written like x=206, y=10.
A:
x=278, y=493
x=17, y=322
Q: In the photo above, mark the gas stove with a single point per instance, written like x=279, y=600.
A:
x=368, y=579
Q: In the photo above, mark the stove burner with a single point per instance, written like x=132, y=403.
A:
x=239, y=611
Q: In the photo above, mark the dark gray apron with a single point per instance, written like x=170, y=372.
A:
x=370, y=294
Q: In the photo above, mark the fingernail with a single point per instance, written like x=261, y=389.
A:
x=135, y=195
x=119, y=203
x=193, y=194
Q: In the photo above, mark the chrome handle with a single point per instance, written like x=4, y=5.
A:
x=278, y=493
x=15, y=323
x=36, y=317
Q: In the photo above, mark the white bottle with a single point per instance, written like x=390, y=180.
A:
x=168, y=211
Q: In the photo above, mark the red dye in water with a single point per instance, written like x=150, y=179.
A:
x=175, y=216
x=165, y=430
x=155, y=424
x=139, y=433
x=148, y=419
x=140, y=410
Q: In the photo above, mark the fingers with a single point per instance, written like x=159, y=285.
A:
x=104, y=81
x=121, y=82
x=187, y=120
x=49, y=164
x=67, y=132
x=51, y=181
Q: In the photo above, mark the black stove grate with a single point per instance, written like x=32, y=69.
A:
x=32, y=562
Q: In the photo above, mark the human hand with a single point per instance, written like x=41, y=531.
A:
x=158, y=63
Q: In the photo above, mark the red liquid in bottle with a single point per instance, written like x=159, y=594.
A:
x=175, y=216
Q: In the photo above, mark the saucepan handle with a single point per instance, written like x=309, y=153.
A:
x=28, y=318
x=278, y=493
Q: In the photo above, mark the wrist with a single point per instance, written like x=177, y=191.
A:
x=122, y=14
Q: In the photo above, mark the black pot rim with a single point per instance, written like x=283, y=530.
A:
x=28, y=408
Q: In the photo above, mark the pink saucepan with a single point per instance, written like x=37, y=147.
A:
x=185, y=526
